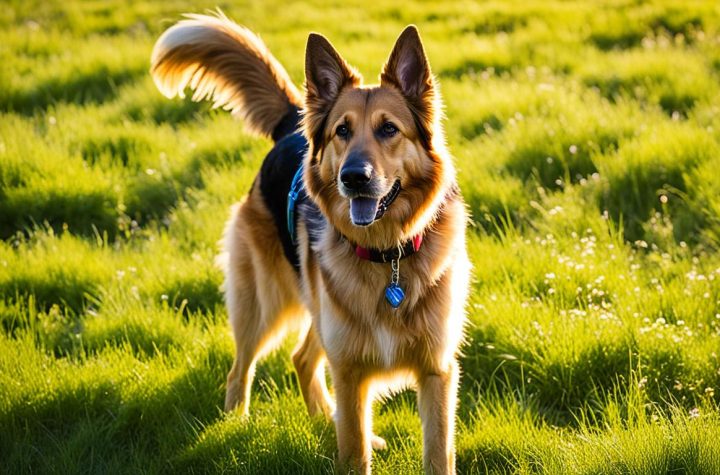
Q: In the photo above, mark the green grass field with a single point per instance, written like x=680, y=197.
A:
x=587, y=141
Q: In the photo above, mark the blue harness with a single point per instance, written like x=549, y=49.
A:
x=297, y=190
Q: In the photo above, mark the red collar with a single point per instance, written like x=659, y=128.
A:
x=408, y=248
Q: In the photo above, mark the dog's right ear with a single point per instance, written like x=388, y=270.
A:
x=326, y=74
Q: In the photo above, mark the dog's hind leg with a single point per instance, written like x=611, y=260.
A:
x=258, y=324
x=239, y=380
x=247, y=324
x=256, y=333
x=309, y=360
x=260, y=292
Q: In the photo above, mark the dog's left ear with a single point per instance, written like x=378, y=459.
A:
x=408, y=70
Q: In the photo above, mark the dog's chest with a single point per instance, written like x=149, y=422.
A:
x=386, y=346
x=378, y=344
x=357, y=323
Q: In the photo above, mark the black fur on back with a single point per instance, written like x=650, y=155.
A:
x=288, y=124
x=276, y=174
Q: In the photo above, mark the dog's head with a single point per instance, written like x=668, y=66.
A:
x=376, y=164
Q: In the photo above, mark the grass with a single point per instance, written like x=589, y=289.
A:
x=586, y=136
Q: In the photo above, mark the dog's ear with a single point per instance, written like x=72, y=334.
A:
x=407, y=67
x=408, y=70
x=326, y=74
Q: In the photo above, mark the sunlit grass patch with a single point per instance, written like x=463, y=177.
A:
x=198, y=222
x=590, y=285
x=630, y=25
x=128, y=146
x=493, y=55
x=110, y=393
x=648, y=173
x=42, y=182
x=647, y=443
x=53, y=270
x=530, y=136
x=506, y=436
x=633, y=437
x=705, y=191
x=547, y=131
x=254, y=446
x=191, y=284
x=57, y=202
x=399, y=424
x=148, y=328
x=672, y=78
x=81, y=72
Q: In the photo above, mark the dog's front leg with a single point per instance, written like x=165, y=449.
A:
x=352, y=420
x=437, y=394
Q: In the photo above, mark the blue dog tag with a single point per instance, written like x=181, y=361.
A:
x=394, y=294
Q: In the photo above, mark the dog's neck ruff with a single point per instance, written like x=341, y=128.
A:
x=394, y=293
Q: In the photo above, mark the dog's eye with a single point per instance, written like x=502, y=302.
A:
x=388, y=129
x=342, y=131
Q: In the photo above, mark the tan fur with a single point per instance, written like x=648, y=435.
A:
x=221, y=60
x=370, y=347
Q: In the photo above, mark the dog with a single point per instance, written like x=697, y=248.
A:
x=353, y=230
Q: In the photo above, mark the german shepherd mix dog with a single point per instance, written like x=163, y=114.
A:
x=353, y=231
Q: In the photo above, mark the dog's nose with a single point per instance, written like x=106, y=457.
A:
x=356, y=175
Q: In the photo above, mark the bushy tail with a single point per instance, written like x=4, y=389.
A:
x=225, y=62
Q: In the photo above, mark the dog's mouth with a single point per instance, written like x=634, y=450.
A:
x=364, y=210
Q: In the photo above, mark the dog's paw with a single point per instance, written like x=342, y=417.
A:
x=378, y=443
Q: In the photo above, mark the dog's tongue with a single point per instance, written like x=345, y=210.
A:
x=363, y=210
